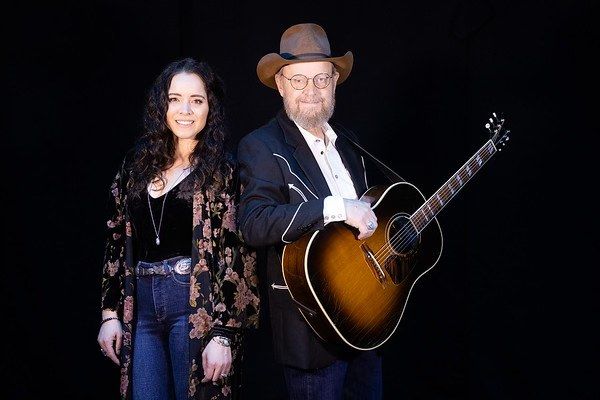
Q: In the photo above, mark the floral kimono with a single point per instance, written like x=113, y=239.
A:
x=223, y=281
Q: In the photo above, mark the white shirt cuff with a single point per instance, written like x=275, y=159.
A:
x=334, y=209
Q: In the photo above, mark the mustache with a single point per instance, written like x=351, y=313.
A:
x=310, y=99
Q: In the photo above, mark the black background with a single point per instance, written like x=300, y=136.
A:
x=509, y=312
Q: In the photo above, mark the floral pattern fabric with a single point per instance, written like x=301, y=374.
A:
x=223, y=282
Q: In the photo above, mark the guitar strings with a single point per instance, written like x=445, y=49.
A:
x=400, y=240
x=387, y=249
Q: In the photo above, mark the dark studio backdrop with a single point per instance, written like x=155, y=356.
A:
x=510, y=310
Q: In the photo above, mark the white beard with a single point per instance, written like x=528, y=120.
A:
x=309, y=120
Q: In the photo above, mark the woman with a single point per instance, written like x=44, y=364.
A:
x=178, y=288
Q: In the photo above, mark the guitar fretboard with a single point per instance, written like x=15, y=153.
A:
x=427, y=212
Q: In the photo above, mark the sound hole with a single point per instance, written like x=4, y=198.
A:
x=404, y=241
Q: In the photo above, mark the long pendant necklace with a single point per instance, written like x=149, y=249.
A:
x=162, y=209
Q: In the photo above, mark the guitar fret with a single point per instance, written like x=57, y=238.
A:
x=430, y=210
x=422, y=217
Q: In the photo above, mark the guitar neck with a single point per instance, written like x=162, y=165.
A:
x=427, y=212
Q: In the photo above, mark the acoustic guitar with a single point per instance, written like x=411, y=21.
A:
x=353, y=292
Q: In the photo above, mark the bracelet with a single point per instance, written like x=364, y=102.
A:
x=107, y=319
x=222, y=340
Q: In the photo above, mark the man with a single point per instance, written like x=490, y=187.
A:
x=297, y=175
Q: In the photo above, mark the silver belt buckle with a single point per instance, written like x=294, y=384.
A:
x=140, y=271
x=183, y=266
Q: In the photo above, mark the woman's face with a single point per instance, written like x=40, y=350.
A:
x=188, y=105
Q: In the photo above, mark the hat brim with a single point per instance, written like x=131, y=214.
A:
x=270, y=64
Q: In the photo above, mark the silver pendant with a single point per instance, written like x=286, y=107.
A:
x=157, y=241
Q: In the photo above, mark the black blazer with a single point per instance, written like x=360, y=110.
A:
x=282, y=199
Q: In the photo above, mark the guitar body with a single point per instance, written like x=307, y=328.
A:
x=354, y=292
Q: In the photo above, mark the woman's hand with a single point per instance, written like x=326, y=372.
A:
x=216, y=361
x=110, y=339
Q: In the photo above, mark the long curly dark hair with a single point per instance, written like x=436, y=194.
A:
x=154, y=150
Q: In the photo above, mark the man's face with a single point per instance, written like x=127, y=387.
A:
x=310, y=107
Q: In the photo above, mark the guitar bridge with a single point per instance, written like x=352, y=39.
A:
x=373, y=263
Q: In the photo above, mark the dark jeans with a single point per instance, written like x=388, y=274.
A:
x=161, y=344
x=358, y=378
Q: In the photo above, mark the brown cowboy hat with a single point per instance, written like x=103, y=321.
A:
x=302, y=43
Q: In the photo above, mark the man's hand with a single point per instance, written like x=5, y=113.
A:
x=360, y=216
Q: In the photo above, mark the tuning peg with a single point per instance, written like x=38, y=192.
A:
x=494, y=114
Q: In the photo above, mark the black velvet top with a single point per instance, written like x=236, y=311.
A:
x=175, y=230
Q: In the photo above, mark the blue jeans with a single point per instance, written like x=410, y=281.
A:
x=358, y=378
x=161, y=336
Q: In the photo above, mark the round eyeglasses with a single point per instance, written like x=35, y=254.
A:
x=299, y=81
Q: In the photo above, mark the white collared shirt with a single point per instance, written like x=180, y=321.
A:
x=335, y=173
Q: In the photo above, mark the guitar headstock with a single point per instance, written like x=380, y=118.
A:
x=496, y=127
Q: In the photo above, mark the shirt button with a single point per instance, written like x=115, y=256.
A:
x=321, y=151
x=336, y=177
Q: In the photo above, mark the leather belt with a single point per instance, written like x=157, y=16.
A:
x=179, y=265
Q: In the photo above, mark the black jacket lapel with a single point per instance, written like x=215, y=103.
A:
x=303, y=155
